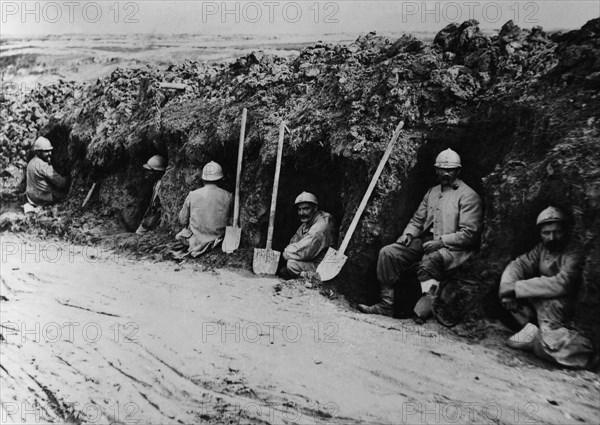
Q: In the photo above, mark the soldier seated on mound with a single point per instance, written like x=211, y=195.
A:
x=442, y=235
x=541, y=285
x=44, y=185
x=312, y=239
x=205, y=213
x=155, y=169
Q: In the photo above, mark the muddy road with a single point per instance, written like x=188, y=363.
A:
x=91, y=337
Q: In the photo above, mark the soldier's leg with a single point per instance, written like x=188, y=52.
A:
x=396, y=258
x=429, y=273
x=297, y=267
x=556, y=342
x=392, y=261
x=524, y=313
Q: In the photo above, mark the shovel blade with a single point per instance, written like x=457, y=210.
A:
x=231, y=242
x=331, y=265
x=265, y=261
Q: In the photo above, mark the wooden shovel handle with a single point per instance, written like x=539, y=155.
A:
x=238, y=176
x=275, y=186
x=89, y=195
x=367, y=195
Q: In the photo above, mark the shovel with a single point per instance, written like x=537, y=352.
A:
x=266, y=260
x=334, y=260
x=233, y=233
x=89, y=195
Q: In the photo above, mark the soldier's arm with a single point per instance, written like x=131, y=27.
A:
x=307, y=248
x=415, y=225
x=184, y=213
x=52, y=177
x=562, y=283
x=469, y=224
x=524, y=267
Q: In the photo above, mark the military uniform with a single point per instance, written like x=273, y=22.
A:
x=204, y=213
x=453, y=215
x=545, y=285
x=309, y=244
x=44, y=185
x=151, y=218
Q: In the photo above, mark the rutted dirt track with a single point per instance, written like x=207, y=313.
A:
x=165, y=343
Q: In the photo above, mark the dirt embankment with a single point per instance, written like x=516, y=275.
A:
x=520, y=107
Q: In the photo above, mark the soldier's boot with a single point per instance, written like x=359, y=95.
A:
x=424, y=307
x=385, y=307
x=523, y=340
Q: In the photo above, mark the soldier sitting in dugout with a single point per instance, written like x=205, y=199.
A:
x=44, y=185
x=205, y=213
x=155, y=169
x=312, y=239
x=540, y=287
x=442, y=235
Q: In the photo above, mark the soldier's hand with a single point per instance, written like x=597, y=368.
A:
x=405, y=240
x=432, y=246
x=509, y=304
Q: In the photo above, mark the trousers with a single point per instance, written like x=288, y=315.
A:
x=396, y=258
x=296, y=267
x=554, y=341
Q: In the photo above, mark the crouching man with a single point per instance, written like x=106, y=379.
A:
x=155, y=169
x=542, y=284
x=205, y=213
x=312, y=239
x=44, y=185
x=442, y=234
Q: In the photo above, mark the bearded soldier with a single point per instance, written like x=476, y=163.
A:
x=540, y=286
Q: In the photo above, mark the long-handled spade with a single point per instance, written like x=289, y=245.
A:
x=334, y=260
x=266, y=260
x=233, y=233
x=89, y=195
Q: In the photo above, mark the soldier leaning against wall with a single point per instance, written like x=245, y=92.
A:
x=540, y=287
x=442, y=235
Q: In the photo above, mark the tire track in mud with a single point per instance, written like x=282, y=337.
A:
x=227, y=393
x=227, y=398
x=86, y=309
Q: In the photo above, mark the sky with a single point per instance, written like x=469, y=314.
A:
x=265, y=17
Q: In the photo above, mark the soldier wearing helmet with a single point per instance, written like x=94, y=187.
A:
x=44, y=185
x=539, y=287
x=205, y=213
x=442, y=234
x=312, y=239
x=155, y=169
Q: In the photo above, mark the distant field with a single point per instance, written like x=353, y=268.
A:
x=42, y=60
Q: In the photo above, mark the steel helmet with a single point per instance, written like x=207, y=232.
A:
x=306, y=197
x=156, y=163
x=551, y=215
x=212, y=172
x=448, y=159
x=42, y=144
